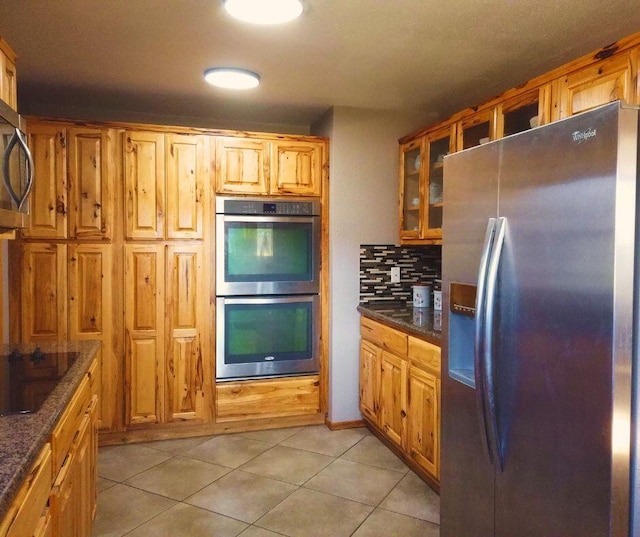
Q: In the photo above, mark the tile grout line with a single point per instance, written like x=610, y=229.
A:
x=181, y=455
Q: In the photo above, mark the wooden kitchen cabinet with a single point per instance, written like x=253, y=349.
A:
x=48, y=198
x=144, y=183
x=421, y=186
x=267, y=398
x=66, y=294
x=168, y=376
x=400, y=394
x=295, y=168
x=44, y=292
x=57, y=498
x=8, y=84
x=187, y=180
x=411, y=189
x=476, y=129
x=241, y=165
x=91, y=169
x=74, y=459
x=423, y=417
x=90, y=317
x=370, y=367
x=28, y=514
x=523, y=112
x=187, y=370
x=165, y=178
x=393, y=397
x=144, y=334
x=275, y=167
x=74, y=172
x=597, y=84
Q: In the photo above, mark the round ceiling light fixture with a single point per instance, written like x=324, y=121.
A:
x=232, y=78
x=264, y=11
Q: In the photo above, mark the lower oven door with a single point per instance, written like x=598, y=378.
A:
x=267, y=336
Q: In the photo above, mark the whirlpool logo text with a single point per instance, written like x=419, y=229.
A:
x=583, y=136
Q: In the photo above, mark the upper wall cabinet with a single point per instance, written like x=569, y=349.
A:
x=91, y=173
x=606, y=75
x=523, y=112
x=74, y=170
x=598, y=84
x=241, y=165
x=144, y=185
x=165, y=177
x=476, y=129
x=48, y=198
x=421, y=202
x=296, y=168
x=8, y=91
x=279, y=167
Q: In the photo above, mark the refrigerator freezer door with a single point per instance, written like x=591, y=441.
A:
x=555, y=326
x=467, y=478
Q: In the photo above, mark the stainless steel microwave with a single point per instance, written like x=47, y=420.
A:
x=16, y=169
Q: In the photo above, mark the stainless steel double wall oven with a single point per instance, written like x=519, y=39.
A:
x=267, y=285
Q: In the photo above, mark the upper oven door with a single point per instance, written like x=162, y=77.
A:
x=267, y=255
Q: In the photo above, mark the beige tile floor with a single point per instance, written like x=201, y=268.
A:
x=297, y=482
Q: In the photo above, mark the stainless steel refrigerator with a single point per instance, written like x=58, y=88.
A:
x=540, y=349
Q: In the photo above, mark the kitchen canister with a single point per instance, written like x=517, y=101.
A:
x=421, y=296
x=437, y=300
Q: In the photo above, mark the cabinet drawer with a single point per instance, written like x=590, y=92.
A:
x=424, y=353
x=67, y=427
x=267, y=398
x=383, y=336
x=25, y=512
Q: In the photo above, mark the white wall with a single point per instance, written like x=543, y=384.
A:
x=363, y=202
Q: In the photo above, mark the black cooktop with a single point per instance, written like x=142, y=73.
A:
x=26, y=380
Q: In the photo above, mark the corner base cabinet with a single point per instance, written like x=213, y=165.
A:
x=400, y=394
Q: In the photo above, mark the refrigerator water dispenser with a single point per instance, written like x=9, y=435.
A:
x=462, y=323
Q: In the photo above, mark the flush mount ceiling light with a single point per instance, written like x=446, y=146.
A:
x=264, y=11
x=231, y=78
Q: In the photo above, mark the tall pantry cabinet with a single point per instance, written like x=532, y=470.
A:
x=115, y=251
x=61, y=272
x=168, y=375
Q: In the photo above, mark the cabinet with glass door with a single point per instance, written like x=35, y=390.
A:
x=421, y=202
x=411, y=189
x=524, y=112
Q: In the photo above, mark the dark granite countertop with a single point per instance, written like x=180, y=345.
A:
x=423, y=322
x=22, y=436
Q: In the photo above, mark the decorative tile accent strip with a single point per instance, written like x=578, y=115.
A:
x=419, y=264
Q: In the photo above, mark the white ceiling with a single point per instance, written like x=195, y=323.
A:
x=428, y=56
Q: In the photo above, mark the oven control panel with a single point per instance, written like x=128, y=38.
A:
x=266, y=207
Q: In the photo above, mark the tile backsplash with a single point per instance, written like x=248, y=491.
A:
x=418, y=264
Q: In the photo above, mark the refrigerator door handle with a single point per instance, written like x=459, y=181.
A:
x=479, y=346
x=490, y=302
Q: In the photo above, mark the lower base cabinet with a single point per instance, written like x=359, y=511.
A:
x=29, y=513
x=400, y=393
x=58, y=497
